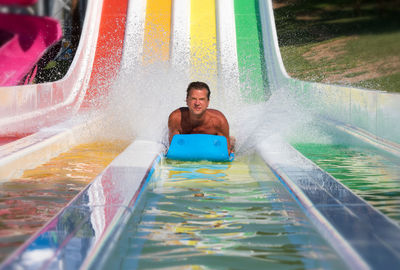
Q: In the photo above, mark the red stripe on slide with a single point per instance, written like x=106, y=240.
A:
x=108, y=50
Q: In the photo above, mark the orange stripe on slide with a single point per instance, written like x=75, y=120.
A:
x=108, y=50
x=157, y=31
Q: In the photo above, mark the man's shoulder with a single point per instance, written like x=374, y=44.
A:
x=177, y=115
x=179, y=111
x=216, y=113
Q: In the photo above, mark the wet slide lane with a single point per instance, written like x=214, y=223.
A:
x=211, y=215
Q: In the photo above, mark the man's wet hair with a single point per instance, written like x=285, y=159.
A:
x=198, y=86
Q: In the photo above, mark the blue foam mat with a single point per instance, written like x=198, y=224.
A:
x=195, y=147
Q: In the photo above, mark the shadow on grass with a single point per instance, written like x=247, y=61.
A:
x=301, y=22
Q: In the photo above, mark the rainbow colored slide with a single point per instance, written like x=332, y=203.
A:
x=231, y=44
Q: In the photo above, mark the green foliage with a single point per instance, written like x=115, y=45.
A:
x=370, y=36
x=389, y=83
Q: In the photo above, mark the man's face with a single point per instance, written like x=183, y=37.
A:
x=197, y=101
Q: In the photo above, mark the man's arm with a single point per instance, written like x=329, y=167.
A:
x=174, y=120
x=224, y=128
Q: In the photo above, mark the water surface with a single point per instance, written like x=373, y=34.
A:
x=370, y=173
x=219, y=216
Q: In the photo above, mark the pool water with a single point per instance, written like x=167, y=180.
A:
x=28, y=202
x=219, y=216
x=370, y=173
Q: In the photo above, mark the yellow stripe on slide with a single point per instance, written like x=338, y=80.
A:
x=157, y=31
x=203, y=41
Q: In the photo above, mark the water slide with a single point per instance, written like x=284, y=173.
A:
x=269, y=198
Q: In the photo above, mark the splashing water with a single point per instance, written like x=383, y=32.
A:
x=143, y=97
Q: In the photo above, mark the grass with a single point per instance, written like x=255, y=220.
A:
x=331, y=42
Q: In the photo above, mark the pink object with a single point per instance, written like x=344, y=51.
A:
x=26, y=40
x=18, y=2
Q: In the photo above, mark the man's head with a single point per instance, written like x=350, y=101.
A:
x=197, y=98
x=198, y=86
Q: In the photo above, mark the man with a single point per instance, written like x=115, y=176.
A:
x=196, y=118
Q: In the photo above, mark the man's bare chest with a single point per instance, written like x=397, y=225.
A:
x=207, y=128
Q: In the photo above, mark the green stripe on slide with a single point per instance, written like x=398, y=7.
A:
x=252, y=72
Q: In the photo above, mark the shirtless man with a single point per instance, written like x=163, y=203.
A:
x=196, y=118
